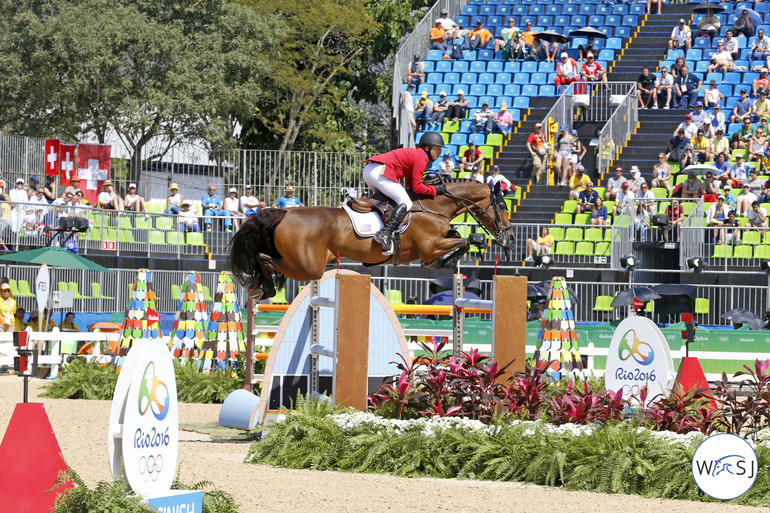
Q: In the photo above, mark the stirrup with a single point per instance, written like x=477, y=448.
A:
x=389, y=251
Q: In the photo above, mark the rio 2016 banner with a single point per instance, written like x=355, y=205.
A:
x=639, y=356
x=145, y=403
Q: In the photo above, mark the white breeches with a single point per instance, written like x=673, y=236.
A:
x=378, y=182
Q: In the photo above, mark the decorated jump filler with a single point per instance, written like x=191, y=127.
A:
x=557, y=339
x=225, y=331
x=142, y=320
x=190, y=321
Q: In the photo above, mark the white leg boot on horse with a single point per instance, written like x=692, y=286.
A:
x=385, y=236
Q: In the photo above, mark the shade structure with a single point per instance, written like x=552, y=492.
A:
x=588, y=32
x=626, y=297
x=703, y=8
x=741, y=316
x=546, y=35
x=54, y=256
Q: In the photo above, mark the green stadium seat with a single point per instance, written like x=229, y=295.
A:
x=751, y=237
x=557, y=232
x=495, y=140
x=594, y=234
x=564, y=248
x=97, y=292
x=761, y=252
x=722, y=251
x=176, y=292
x=142, y=222
x=743, y=220
x=569, y=207
x=660, y=192
x=164, y=223
x=394, y=297
x=280, y=297
x=155, y=208
x=157, y=237
x=688, y=206
x=487, y=151
x=563, y=219
x=680, y=178
x=14, y=288
x=584, y=248
x=743, y=252
x=126, y=236
x=125, y=222
x=195, y=239
x=610, y=205
x=663, y=206
x=600, y=191
x=174, y=238
x=603, y=304
x=73, y=287
x=701, y=306
x=574, y=234
x=582, y=218
x=742, y=152
x=602, y=248
x=450, y=127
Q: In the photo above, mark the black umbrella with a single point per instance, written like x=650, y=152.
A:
x=548, y=34
x=703, y=8
x=588, y=32
x=546, y=284
x=674, y=298
x=443, y=283
x=741, y=316
x=534, y=290
x=626, y=297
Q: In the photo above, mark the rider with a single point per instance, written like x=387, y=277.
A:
x=383, y=172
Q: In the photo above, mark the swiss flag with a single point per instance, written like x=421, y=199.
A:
x=52, y=157
x=67, y=163
x=93, y=169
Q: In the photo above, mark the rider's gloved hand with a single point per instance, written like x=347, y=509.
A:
x=440, y=189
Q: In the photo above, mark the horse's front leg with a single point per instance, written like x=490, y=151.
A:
x=434, y=257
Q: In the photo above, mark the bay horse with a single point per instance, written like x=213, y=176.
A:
x=298, y=243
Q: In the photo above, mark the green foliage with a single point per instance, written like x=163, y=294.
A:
x=80, y=379
x=214, y=501
x=193, y=386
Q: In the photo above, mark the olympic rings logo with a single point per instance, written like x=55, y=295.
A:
x=149, y=390
x=150, y=467
x=630, y=346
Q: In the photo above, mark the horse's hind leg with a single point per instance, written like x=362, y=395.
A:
x=447, y=252
x=266, y=266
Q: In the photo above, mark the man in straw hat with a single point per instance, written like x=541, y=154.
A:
x=288, y=200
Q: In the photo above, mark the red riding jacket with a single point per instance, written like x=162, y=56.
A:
x=409, y=163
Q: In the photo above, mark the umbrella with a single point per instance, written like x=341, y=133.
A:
x=546, y=284
x=443, y=283
x=741, y=316
x=534, y=290
x=700, y=169
x=446, y=298
x=55, y=256
x=703, y=8
x=674, y=298
x=588, y=32
x=626, y=297
x=548, y=34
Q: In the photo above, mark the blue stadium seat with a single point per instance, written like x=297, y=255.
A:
x=700, y=66
x=521, y=102
x=529, y=90
x=444, y=66
x=495, y=66
x=494, y=21
x=725, y=89
x=703, y=42
x=486, y=99
x=521, y=78
x=561, y=20
x=486, y=78
x=596, y=20
x=478, y=90
x=761, y=8
x=459, y=87
x=537, y=78
x=469, y=78
x=606, y=30
x=469, y=55
x=612, y=19
x=536, y=9
x=512, y=67
x=519, y=9
x=477, y=139
x=529, y=67
x=525, y=19
x=427, y=66
x=630, y=20
x=569, y=9
x=673, y=55
x=486, y=55
x=452, y=78
x=614, y=43
x=512, y=90
x=717, y=77
x=553, y=10
x=486, y=10
x=545, y=20
x=515, y=114
x=470, y=10
x=495, y=89
x=546, y=67
x=623, y=32
x=503, y=10
x=458, y=139
x=586, y=9
x=465, y=126
x=447, y=88
x=435, y=78
x=620, y=9
x=551, y=78
x=434, y=55
x=503, y=99
x=638, y=9
x=547, y=90
x=503, y=78
x=578, y=20
x=603, y=9
x=478, y=66
x=461, y=20
x=460, y=66
x=694, y=54
x=606, y=55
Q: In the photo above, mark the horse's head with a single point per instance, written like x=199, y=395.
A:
x=484, y=204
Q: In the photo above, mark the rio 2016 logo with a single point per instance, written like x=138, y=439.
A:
x=150, y=467
x=153, y=394
x=724, y=466
x=631, y=347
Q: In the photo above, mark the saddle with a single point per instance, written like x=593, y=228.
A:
x=377, y=203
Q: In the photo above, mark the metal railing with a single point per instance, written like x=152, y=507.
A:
x=417, y=42
x=623, y=105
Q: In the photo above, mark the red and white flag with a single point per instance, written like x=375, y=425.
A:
x=67, y=163
x=93, y=169
x=52, y=157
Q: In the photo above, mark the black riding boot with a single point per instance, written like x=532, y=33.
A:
x=385, y=236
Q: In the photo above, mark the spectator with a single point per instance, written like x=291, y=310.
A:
x=472, y=157
x=563, y=153
x=742, y=108
x=68, y=324
x=636, y=179
x=587, y=198
x=757, y=215
x=212, y=207
x=133, y=201
x=526, y=40
x=676, y=68
x=758, y=143
x=599, y=213
x=80, y=200
x=692, y=187
x=690, y=128
x=721, y=61
x=731, y=45
x=7, y=308
x=739, y=173
x=645, y=206
x=743, y=25
x=578, y=184
x=108, y=200
x=679, y=149
x=623, y=199
x=686, y=86
x=755, y=184
x=700, y=146
x=188, y=221
x=416, y=72
x=717, y=120
x=742, y=138
x=250, y=205
x=447, y=166
x=34, y=183
x=589, y=47
x=408, y=105
x=761, y=107
x=440, y=109
x=423, y=109
x=541, y=246
x=509, y=39
x=762, y=82
x=458, y=107
x=614, y=185
x=49, y=191
x=593, y=71
x=477, y=174
x=645, y=88
x=675, y=214
x=174, y=200
x=452, y=29
x=478, y=37
x=661, y=173
x=765, y=197
x=567, y=71
x=438, y=38
x=553, y=49
x=74, y=185
x=730, y=200
x=5, y=220
x=698, y=117
x=503, y=120
x=709, y=26
x=506, y=187
x=233, y=205
x=734, y=236
x=18, y=198
x=710, y=188
x=18, y=320
x=483, y=120
x=539, y=151
x=578, y=152
x=745, y=200
x=536, y=51
x=288, y=200
x=648, y=7
x=664, y=84
x=681, y=36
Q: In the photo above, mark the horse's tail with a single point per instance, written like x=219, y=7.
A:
x=254, y=236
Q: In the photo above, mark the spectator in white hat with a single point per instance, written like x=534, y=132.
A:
x=133, y=201
x=233, y=205
x=681, y=36
x=250, y=205
x=458, y=107
x=188, y=221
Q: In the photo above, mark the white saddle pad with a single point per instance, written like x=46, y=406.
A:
x=369, y=223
